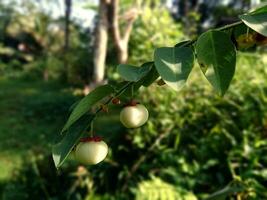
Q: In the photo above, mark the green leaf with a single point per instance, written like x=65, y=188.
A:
x=257, y=22
x=151, y=76
x=67, y=141
x=71, y=108
x=87, y=102
x=133, y=73
x=174, y=65
x=217, y=58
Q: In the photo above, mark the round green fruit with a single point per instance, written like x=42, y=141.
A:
x=91, y=150
x=133, y=116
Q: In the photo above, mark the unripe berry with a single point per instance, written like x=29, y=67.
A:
x=133, y=116
x=91, y=150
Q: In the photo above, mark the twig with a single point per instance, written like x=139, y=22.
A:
x=116, y=95
x=143, y=157
x=228, y=26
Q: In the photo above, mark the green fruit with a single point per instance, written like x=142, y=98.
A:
x=91, y=151
x=134, y=116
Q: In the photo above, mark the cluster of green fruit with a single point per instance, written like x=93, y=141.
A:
x=93, y=150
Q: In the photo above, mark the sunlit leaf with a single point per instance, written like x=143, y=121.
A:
x=174, y=65
x=216, y=55
x=257, y=22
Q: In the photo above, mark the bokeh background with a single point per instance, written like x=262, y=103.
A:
x=195, y=142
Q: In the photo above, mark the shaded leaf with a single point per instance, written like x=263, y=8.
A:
x=260, y=8
x=151, y=76
x=87, y=102
x=132, y=73
x=67, y=141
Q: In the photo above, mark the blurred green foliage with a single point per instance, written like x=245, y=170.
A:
x=154, y=28
x=31, y=46
x=194, y=144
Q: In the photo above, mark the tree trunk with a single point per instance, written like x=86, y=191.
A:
x=67, y=22
x=100, y=44
x=122, y=52
x=108, y=15
x=68, y=4
x=121, y=40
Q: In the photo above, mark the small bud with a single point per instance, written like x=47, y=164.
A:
x=116, y=101
x=131, y=103
x=104, y=108
x=161, y=82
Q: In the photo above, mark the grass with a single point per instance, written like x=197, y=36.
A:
x=32, y=113
x=24, y=124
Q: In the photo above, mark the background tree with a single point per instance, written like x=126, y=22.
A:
x=121, y=36
x=109, y=18
x=101, y=41
x=68, y=6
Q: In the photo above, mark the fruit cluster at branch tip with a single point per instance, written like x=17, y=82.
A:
x=92, y=150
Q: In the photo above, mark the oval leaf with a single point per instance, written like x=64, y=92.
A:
x=67, y=141
x=132, y=73
x=151, y=76
x=217, y=57
x=87, y=102
x=257, y=22
x=174, y=65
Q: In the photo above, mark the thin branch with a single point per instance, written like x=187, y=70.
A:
x=129, y=26
x=115, y=29
x=118, y=93
x=228, y=26
x=143, y=157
